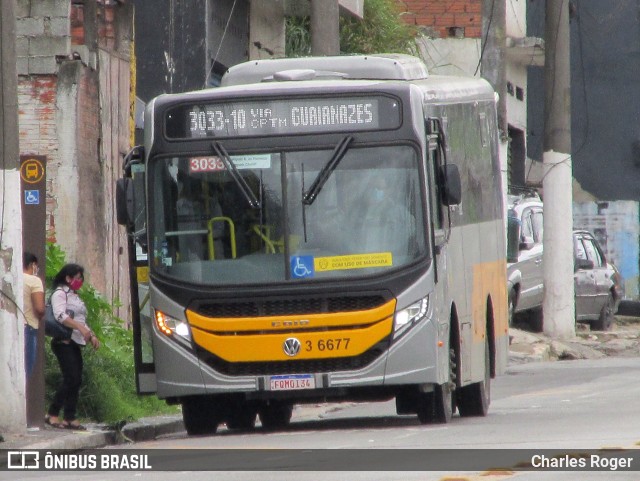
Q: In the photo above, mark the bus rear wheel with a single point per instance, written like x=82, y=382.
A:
x=200, y=415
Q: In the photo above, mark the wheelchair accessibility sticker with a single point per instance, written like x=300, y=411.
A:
x=32, y=197
x=301, y=266
x=307, y=266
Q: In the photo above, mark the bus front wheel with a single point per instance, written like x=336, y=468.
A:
x=200, y=415
x=436, y=406
x=473, y=400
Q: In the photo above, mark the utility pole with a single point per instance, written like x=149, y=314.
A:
x=12, y=407
x=493, y=68
x=494, y=65
x=325, y=27
x=558, y=305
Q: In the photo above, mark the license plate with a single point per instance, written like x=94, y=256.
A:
x=292, y=382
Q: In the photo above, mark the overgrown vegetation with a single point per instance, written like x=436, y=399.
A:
x=381, y=30
x=108, y=392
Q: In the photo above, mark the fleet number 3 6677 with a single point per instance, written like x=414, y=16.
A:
x=337, y=344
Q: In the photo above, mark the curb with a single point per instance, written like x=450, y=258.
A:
x=148, y=429
x=78, y=440
x=145, y=429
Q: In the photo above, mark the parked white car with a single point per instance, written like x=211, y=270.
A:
x=598, y=284
x=524, y=260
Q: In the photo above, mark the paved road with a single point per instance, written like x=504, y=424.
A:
x=569, y=405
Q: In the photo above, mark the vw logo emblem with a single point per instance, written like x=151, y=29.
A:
x=291, y=347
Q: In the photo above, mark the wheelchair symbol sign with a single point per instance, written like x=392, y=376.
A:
x=32, y=197
x=301, y=266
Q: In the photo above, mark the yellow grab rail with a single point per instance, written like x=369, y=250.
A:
x=232, y=235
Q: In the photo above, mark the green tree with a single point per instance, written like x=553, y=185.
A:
x=108, y=392
x=381, y=30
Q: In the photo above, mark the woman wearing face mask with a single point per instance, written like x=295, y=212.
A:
x=69, y=309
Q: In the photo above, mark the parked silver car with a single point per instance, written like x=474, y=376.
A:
x=524, y=259
x=598, y=286
x=597, y=283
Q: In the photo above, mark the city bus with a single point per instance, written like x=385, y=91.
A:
x=318, y=230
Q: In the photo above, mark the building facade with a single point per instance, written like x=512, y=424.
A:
x=74, y=95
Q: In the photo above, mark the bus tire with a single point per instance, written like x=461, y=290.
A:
x=275, y=415
x=199, y=415
x=437, y=406
x=474, y=399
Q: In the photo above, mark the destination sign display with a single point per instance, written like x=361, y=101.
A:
x=282, y=117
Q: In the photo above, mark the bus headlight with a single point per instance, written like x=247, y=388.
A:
x=169, y=325
x=410, y=316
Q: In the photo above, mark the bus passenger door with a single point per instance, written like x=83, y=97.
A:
x=447, y=251
x=130, y=205
x=438, y=241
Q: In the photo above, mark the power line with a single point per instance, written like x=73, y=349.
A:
x=486, y=36
x=224, y=32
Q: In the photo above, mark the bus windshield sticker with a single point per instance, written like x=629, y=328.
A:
x=302, y=266
x=214, y=163
x=356, y=261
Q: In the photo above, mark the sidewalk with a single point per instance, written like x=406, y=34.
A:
x=95, y=436
x=622, y=340
x=146, y=429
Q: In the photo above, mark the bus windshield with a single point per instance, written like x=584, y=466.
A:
x=366, y=218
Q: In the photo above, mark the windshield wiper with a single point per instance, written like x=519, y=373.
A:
x=233, y=170
x=325, y=173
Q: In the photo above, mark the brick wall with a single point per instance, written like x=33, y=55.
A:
x=445, y=18
x=38, y=130
x=75, y=111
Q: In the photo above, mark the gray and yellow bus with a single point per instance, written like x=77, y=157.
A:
x=318, y=229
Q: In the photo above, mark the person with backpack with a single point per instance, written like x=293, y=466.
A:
x=71, y=311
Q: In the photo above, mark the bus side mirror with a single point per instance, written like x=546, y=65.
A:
x=451, y=184
x=124, y=201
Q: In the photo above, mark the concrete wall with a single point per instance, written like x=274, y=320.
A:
x=605, y=99
x=78, y=115
x=448, y=56
x=170, y=46
x=227, y=31
x=43, y=34
x=115, y=140
x=615, y=225
x=516, y=75
x=13, y=405
x=266, y=29
x=516, y=102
